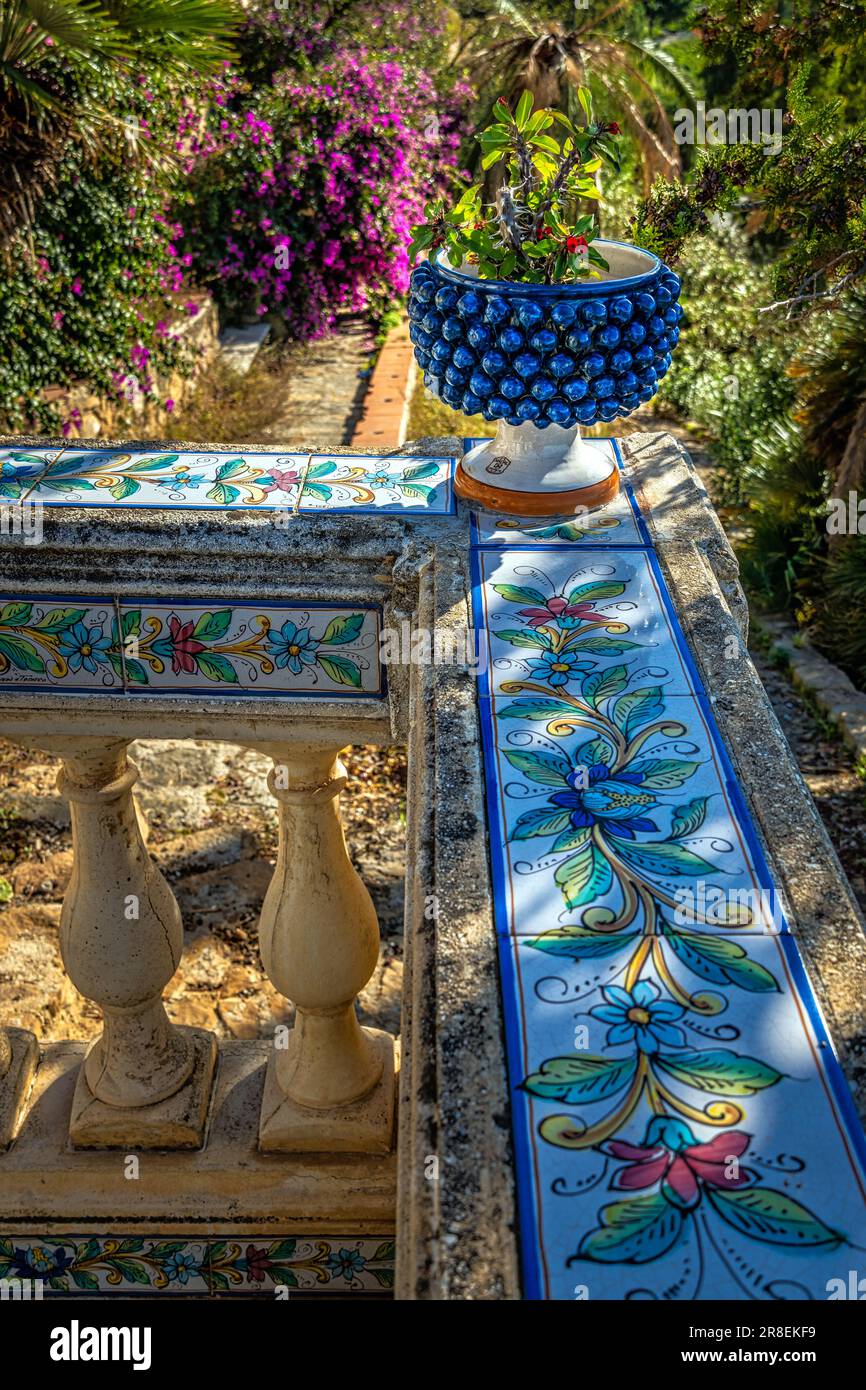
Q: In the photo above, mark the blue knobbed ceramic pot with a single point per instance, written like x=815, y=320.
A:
x=544, y=360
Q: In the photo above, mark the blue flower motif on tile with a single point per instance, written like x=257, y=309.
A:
x=639, y=1016
x=86, y=647
x=293, y=646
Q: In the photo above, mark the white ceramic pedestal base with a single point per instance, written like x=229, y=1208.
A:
x=526, y=471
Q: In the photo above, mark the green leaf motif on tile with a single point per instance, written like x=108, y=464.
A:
x=771, y=1216
x=525, y=637
x=663, y=858
x=635, y=1231
x=581, y=1078
x=216, y=667
x=719, y=959
x=601, y=685
x=223, y=494
x=539, y=708
x=22, y=655
x=663, y=774
x=343, y=629
x=516, y=593
x=584, y=877
x=125, y=487
x=594, y=592
x=541, y=821
x=637, y=708
x=689, y=818
x=579, y=943
x=16, y=615
x=718, y=1072
x=57, y=619
x=212, y=626
x=548, y=768
x=340, y=669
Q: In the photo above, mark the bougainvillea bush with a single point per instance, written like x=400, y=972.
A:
x=302, y=193
x=89, y=291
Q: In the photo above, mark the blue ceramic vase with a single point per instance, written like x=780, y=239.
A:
x=542, y=360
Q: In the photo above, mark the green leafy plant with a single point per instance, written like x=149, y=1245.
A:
x=532, y=232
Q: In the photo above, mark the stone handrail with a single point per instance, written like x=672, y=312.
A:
x=330, y=1128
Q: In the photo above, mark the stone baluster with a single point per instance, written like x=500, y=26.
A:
x=330, y=1083
x=144, y=1083
x=19, y=1055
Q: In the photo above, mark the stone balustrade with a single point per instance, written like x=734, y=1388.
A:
x=302, y=1157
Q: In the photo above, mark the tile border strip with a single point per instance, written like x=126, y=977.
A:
x=121, y=684
x=194, y=1266
x=803, y=996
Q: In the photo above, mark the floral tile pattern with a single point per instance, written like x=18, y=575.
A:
x=667, y=1151
x=82, y=477
x=682, y=1127
x=304, y=650
x=617, y=523
x=147, y=1264
x=66, y=643
x=141, y=647
x=349, y=482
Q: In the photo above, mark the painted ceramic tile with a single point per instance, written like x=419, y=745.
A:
x=679, y=1135
x=618, y=523
x=560, y=619
x=59, y=643
x=20, y=471
x=111, y=477
x=352, y=482
x=246, y=648
x=247, y=1265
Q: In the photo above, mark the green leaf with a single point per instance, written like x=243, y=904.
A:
x=343, y=629
x=770, y=1216
x=596, y=590
x=132, y=1270
x=16, y=615
x=322, y=470
x=282, y=1249
x=663, y=857
x=601, y=685
x=663, y=774
x=135, y=672
x=584, y=96
x=223, y=494
x=130, y=622
x=613, y=646
x=539, y=708
x=595, y=752
x=719, y=1072
x=340, y=669
x=525, y=637
x=211, y=626
x=689, y=817
x=542, y=821
x=23, y=655
x=635, y=1231
x=524, y=110
x=422, y=470
x=124, y=487
x=581, y=1078
x=6, y=890
x=216, y=667
x=56, y=619
x=579, y=943
x=160, y=462
x=584, y=877
x=719, y=959
x=83, y=1278
x=516, y=593
x=230, y=469
x=637, y=708
x=550, y=769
